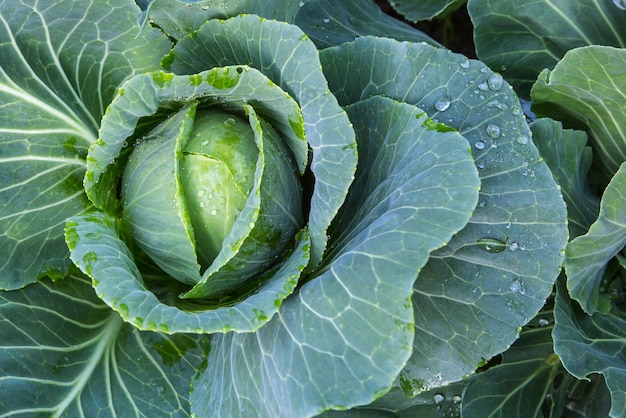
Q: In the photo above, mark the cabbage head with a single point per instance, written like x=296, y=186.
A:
x=237, y=223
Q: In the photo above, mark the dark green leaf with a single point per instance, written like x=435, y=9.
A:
x=522, y=38
x=592, y=344
x=569, y=159
x=469, y=301
x=347, y=333
x=586, y=91
x=61, y=63
x=587, y=256
x=65, y=353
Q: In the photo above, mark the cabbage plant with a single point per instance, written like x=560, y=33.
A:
x=244, y=209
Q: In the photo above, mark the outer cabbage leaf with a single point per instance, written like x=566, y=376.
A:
x=587, y=256
x=591, y=344
x=96, y=247
x=285, y=55
x=569, y=158
x=65, y=353
x=526, y=37
x=519, y=386
x=60, y=63
x=326, y=22
x=496, y=273
x=586, y=90
x=341, y=340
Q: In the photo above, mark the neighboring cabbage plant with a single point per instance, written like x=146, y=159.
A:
x=254, y=227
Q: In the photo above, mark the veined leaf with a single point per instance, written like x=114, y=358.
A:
x=341, y=340
x=590, y=344
x=60, y=64
x=569, y=157
x=326, y=22
x=65, y=353
x=497, y=272
x=586, y=90
x=523, y=38
x=587, y=256
x=286, y=56
x=97, y=249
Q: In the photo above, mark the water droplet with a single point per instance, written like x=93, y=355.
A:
x=465, y=63
x=523, y=140
x=222, y=200
x=442, y=104
x=508, y=226
x=479, y=145
x=516, y=111
x=483, y=86
x=503, y=68
x=482, y=203
x=326, y=20
x=492, y=245
x=201, y=192
x=621, y=4
x=544, y=322
x=438, y=398
x=482, y=165
x=495, y=81
x=301, y=4
x=205, y=143
x=515, y=286
x=497, y=105
x=456, y=399
x=493, y=131
x=213, y=212
x=514, y=246
x=230, y=122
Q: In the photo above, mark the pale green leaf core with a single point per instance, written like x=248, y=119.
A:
x=217, y=174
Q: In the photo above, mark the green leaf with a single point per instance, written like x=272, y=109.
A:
x=326, y=22
x=425, y=9
x=569, y=158
x=331, y=23
x=287, y=57
x=65, y=353
x=98, y=251
x=147, y=95
x=518, y=386
x=469, y=301
x=585, y=90
x=60, y=64
x=587, y=256
x=592, y=344
x=154, y=203
x=523, y=38
x=343, y=338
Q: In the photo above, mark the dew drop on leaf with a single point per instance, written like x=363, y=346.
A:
x=442, y=104
x=514, y=246
x=494, y=81
x=438, y=398
x=479, y=145
x=493, y=131
x=523, y=140
x=515, y=286
x=465, y=63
